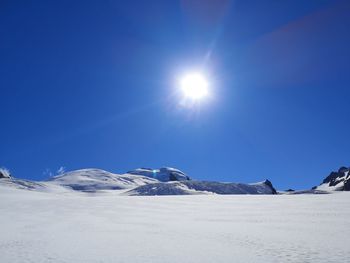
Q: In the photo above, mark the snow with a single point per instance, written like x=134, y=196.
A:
x=86, y=180
x=200, y=187
x=163, y=174
x=326, y=187
x=4, y=173
x=336, y=181
x=340, y=182
x=78, y=227
x=97, y=181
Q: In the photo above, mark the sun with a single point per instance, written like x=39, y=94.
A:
x=194, y=86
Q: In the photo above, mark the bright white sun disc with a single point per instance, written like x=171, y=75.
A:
x=194, y=86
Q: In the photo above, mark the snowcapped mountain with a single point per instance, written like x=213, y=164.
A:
x=96, y=179
x=7, y=180
x=23, y=184
x=164, y=174
x=336, y=181
x=85, y=180
x=202, y=187
x=4, y=173
x=166, y=181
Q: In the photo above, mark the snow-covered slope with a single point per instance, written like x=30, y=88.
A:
x=336, y=181
x=4, y=173
x=164, y=174
x=202, y=187
x=96, y=179
x=23, y=184
x=44, y=227
x=86, y=180
x=172, y=182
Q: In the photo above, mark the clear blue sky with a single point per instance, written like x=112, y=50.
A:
x=91, y=84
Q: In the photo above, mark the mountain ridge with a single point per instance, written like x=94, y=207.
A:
x=170, y=181
x=162, y=181
x=336, y=180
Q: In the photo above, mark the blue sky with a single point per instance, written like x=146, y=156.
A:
x=93, y=84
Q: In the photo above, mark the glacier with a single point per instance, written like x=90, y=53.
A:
x=85, y=227
x=168, y=181
x=91, y=215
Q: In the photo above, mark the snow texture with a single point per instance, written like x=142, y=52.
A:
x=336, y=181
x=164, y=174
x=102, y=227
x=4, y=173
x=96, y=180
x=201, y=187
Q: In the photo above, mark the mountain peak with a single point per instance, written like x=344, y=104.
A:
x=268, y=183
x=96, y=179
x=164, y=174
x=337, y=181
x=4, y=173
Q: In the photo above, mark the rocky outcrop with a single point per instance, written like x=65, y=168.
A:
x=290, y=190
x=4, y=173
x=191, y=187
x=143, y=181
x=337, y=181
x=269, y=184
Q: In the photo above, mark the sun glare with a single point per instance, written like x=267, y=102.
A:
x=194, y=86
